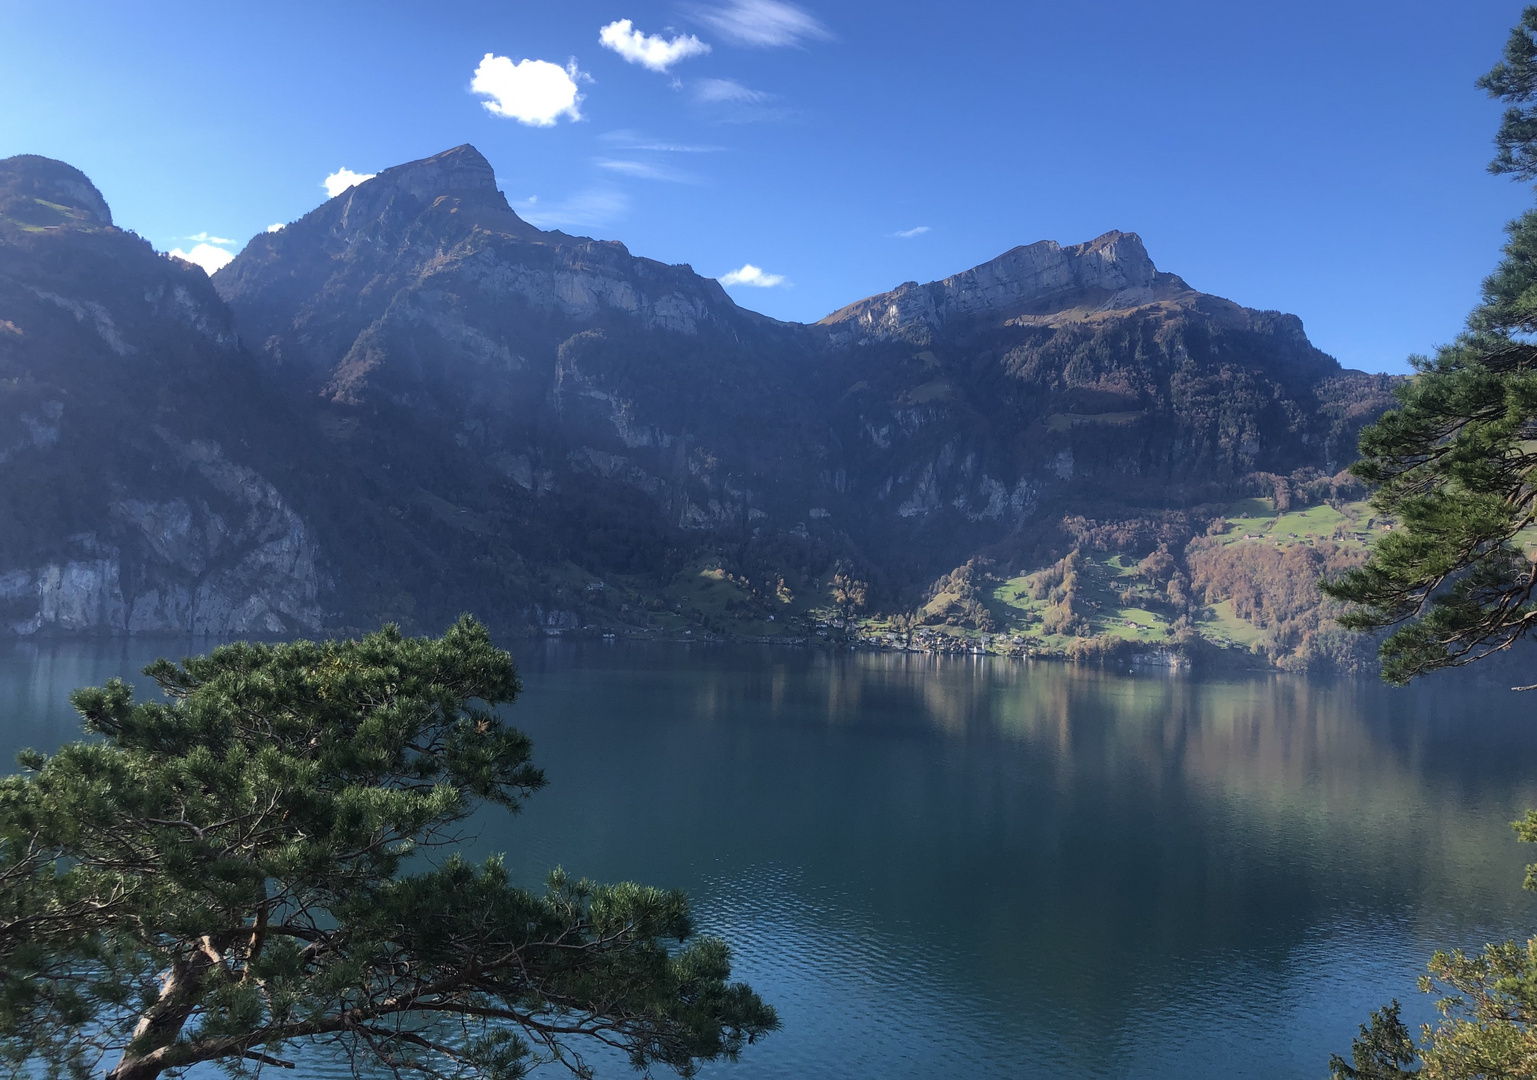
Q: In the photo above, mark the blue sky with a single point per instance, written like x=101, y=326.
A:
x=1322, y=158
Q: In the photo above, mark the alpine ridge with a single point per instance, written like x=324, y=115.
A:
x=454, y=410
x=1115, y=267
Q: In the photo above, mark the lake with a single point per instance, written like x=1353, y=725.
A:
x=977, y=867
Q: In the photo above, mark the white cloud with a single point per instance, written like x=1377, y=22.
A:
x=532, y=92
x=645, y=171
x=729, y=90
x=584, y=210
x=908, y=234
x=764, y=23
x=204, y=238
x=341, y=180
x=206, y=256
x=651, y=51
x=633, y=140
x=278, y=227
x=751, y=275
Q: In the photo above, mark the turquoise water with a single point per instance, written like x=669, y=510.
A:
x=973, y=867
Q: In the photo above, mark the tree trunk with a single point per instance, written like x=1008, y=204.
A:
x=136, y=1068
x=162, y=1022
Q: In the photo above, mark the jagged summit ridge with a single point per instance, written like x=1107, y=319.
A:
x=42, y=192
x=461, y=175
x=427, y=263
x=1115, y=263
x=463, y=168
x=433, y=406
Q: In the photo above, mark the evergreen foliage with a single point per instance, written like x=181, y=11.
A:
x=1514, y=80
x=1380, y=1053
x=246, y=869
x=1456, y=463
x=1488, y=1026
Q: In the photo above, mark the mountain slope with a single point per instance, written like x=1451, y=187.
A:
x=126, y=405
x=1057, y=382
x=580, y=405
x=457, y=410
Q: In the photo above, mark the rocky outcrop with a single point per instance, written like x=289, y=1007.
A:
x=38, y=193
x=1113, y=269
x=123, y=390
x=233, y=560
x=411, y=402
x=431, y=250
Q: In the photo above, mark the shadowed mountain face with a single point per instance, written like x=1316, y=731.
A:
x=1078, y=380
x=463, y=411
x=127, y=503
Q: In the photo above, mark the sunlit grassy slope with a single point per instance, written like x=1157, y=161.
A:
x=1096, y=602
x=1115, y=601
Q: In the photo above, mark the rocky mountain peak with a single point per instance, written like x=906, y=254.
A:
x=428, y=259
x=1113, y=268
x=42, y=193
x=441, y=407
x=454, y=171
x=448, y=192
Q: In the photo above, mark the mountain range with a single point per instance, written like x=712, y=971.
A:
x=410, y=402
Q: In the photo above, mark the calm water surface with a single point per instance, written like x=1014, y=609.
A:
x=969, y=868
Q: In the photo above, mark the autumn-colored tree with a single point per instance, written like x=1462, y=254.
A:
x=849, y=594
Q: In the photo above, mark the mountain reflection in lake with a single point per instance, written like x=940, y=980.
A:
x=975, y=867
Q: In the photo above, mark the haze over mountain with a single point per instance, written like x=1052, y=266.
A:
x=411, y=402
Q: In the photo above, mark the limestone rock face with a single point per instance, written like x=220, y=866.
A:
x=412, y=403
x=460, y=169
x=1115, y=266
x=560, y=386
x=432, y=251
x=46, y=194
x=558, y=391
x=122, y=390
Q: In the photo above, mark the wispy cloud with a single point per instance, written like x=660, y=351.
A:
x=276, y=227
x=635, y=141
x=532, y=92
x=751, y=275
x=209, y=258
x=342, y=179
x=585, y=210
x=908, y=234
x=204, y=238
x=645, y=170
x=651, y=51
x=729, y=102
x=729, y=90
x=762, y=23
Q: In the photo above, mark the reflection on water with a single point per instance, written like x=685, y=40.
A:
x=971, y=867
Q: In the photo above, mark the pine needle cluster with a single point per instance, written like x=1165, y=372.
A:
x=261, y=864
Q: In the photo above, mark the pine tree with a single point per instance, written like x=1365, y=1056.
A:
x=1456, y=464
x=1457, y=468
x=262, y=864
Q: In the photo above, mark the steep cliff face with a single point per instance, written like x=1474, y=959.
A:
x=1113, y=269
x=581, y=404
x=123, y=395
x=578, y=404
x=431, y=250
x=1075, y=380
x=432, y=406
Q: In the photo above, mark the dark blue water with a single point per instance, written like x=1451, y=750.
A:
x=968, y=868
